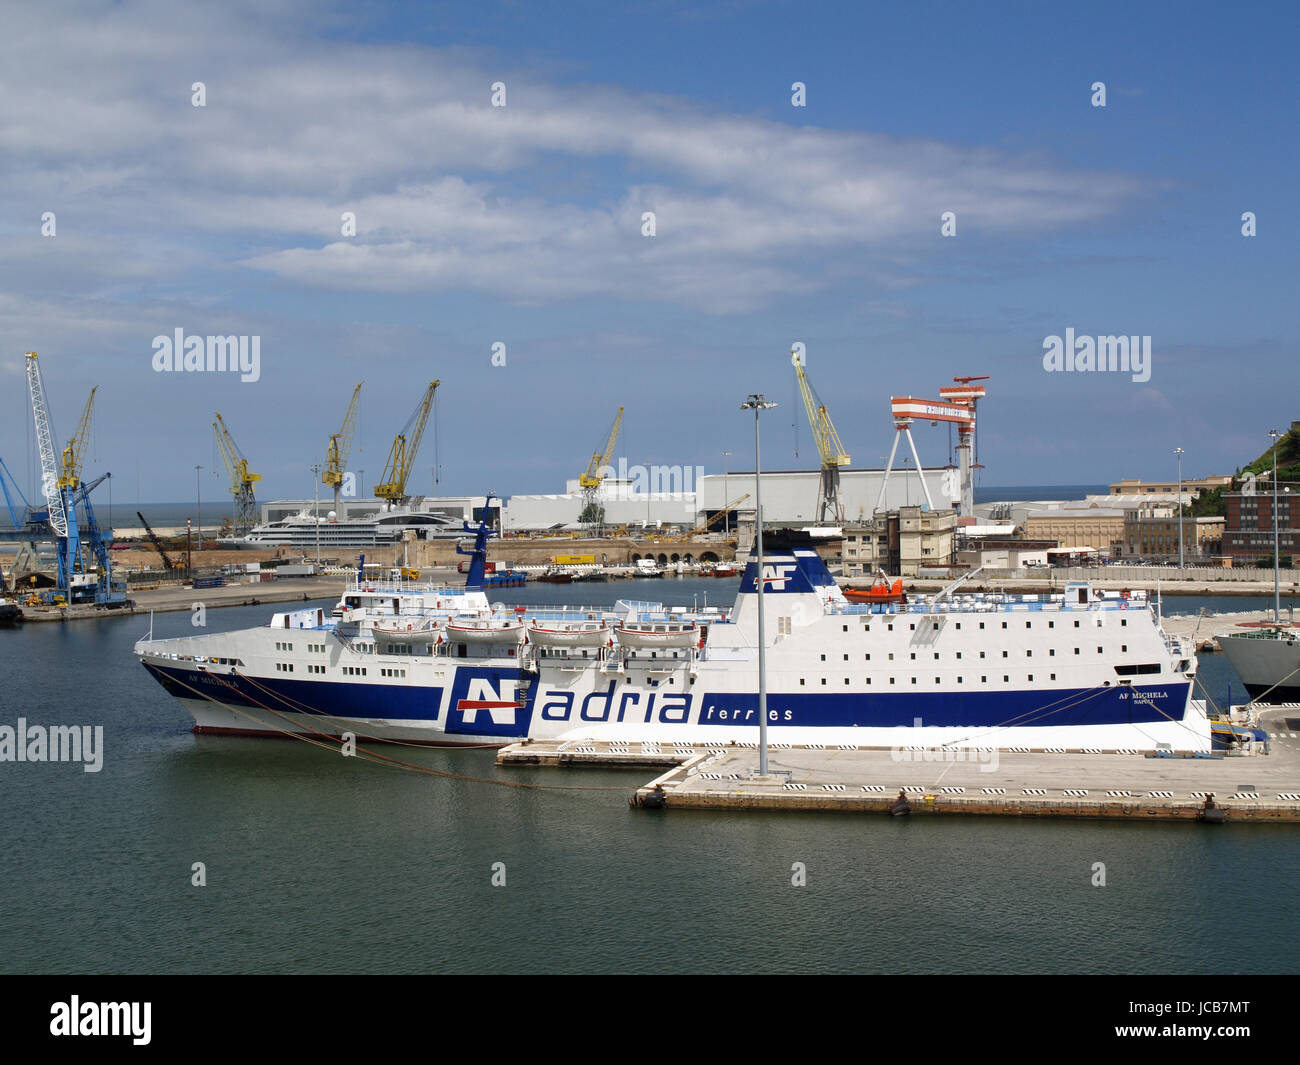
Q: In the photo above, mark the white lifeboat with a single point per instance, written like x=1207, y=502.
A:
x=569, y=634
x=421, y=630
x=485, y=630
x=652, y=634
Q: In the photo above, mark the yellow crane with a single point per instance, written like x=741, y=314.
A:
x=242, y=478
x=401, y=457
x=340, y=445
x=708, y=523
x=75, y=452
x=590, y=479
x=833, y=455
x=718, y=516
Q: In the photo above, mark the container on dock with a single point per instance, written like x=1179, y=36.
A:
x=296, y=570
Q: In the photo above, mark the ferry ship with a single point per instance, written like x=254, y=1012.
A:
x=1267, y=660
x=445, y=666
x=385, y=527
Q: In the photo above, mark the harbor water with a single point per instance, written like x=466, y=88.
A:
x=315, y=862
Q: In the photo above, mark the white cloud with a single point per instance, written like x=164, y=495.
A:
x=454, y=195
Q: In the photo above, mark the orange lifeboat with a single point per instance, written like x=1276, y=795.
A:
x=880, y=592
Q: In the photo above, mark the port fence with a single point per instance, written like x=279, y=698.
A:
x=1147, y=574
x=1144, y=575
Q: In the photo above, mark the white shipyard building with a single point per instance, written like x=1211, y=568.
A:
x=683, y=497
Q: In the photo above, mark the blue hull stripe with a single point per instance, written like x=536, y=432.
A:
x=1119, y=705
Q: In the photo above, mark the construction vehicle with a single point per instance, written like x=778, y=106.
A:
x=242, y=478
x=158, y=544
x=401, y=457
x=340, y=444
x=833, y=456
x=590, y=480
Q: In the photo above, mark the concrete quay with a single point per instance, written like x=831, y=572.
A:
x=1203, y=628
x=1256, y=788
x=179, y=597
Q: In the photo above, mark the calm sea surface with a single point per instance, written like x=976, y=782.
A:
x=320, y=863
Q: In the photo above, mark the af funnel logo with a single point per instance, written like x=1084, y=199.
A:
x=777, y=577
x=487, y=704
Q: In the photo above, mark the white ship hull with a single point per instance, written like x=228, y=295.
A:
x=1267, y=662
x=1072, y=673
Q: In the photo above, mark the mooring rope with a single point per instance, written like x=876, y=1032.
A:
x=373, y=757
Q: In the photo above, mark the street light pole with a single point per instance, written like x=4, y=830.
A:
x=1277, y=583
x=198, y=504
x=315, y=509
x=726, y=496
x=1179, y=452
x=756, y=402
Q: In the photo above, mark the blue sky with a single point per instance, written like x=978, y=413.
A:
x=522, y=225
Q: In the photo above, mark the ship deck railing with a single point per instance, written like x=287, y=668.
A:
x=988, y=606
x=1270, y=633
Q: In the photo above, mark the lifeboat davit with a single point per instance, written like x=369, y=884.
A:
x=652, y=634
x=880, y=592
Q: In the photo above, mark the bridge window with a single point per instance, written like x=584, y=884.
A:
x=1132, y=670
